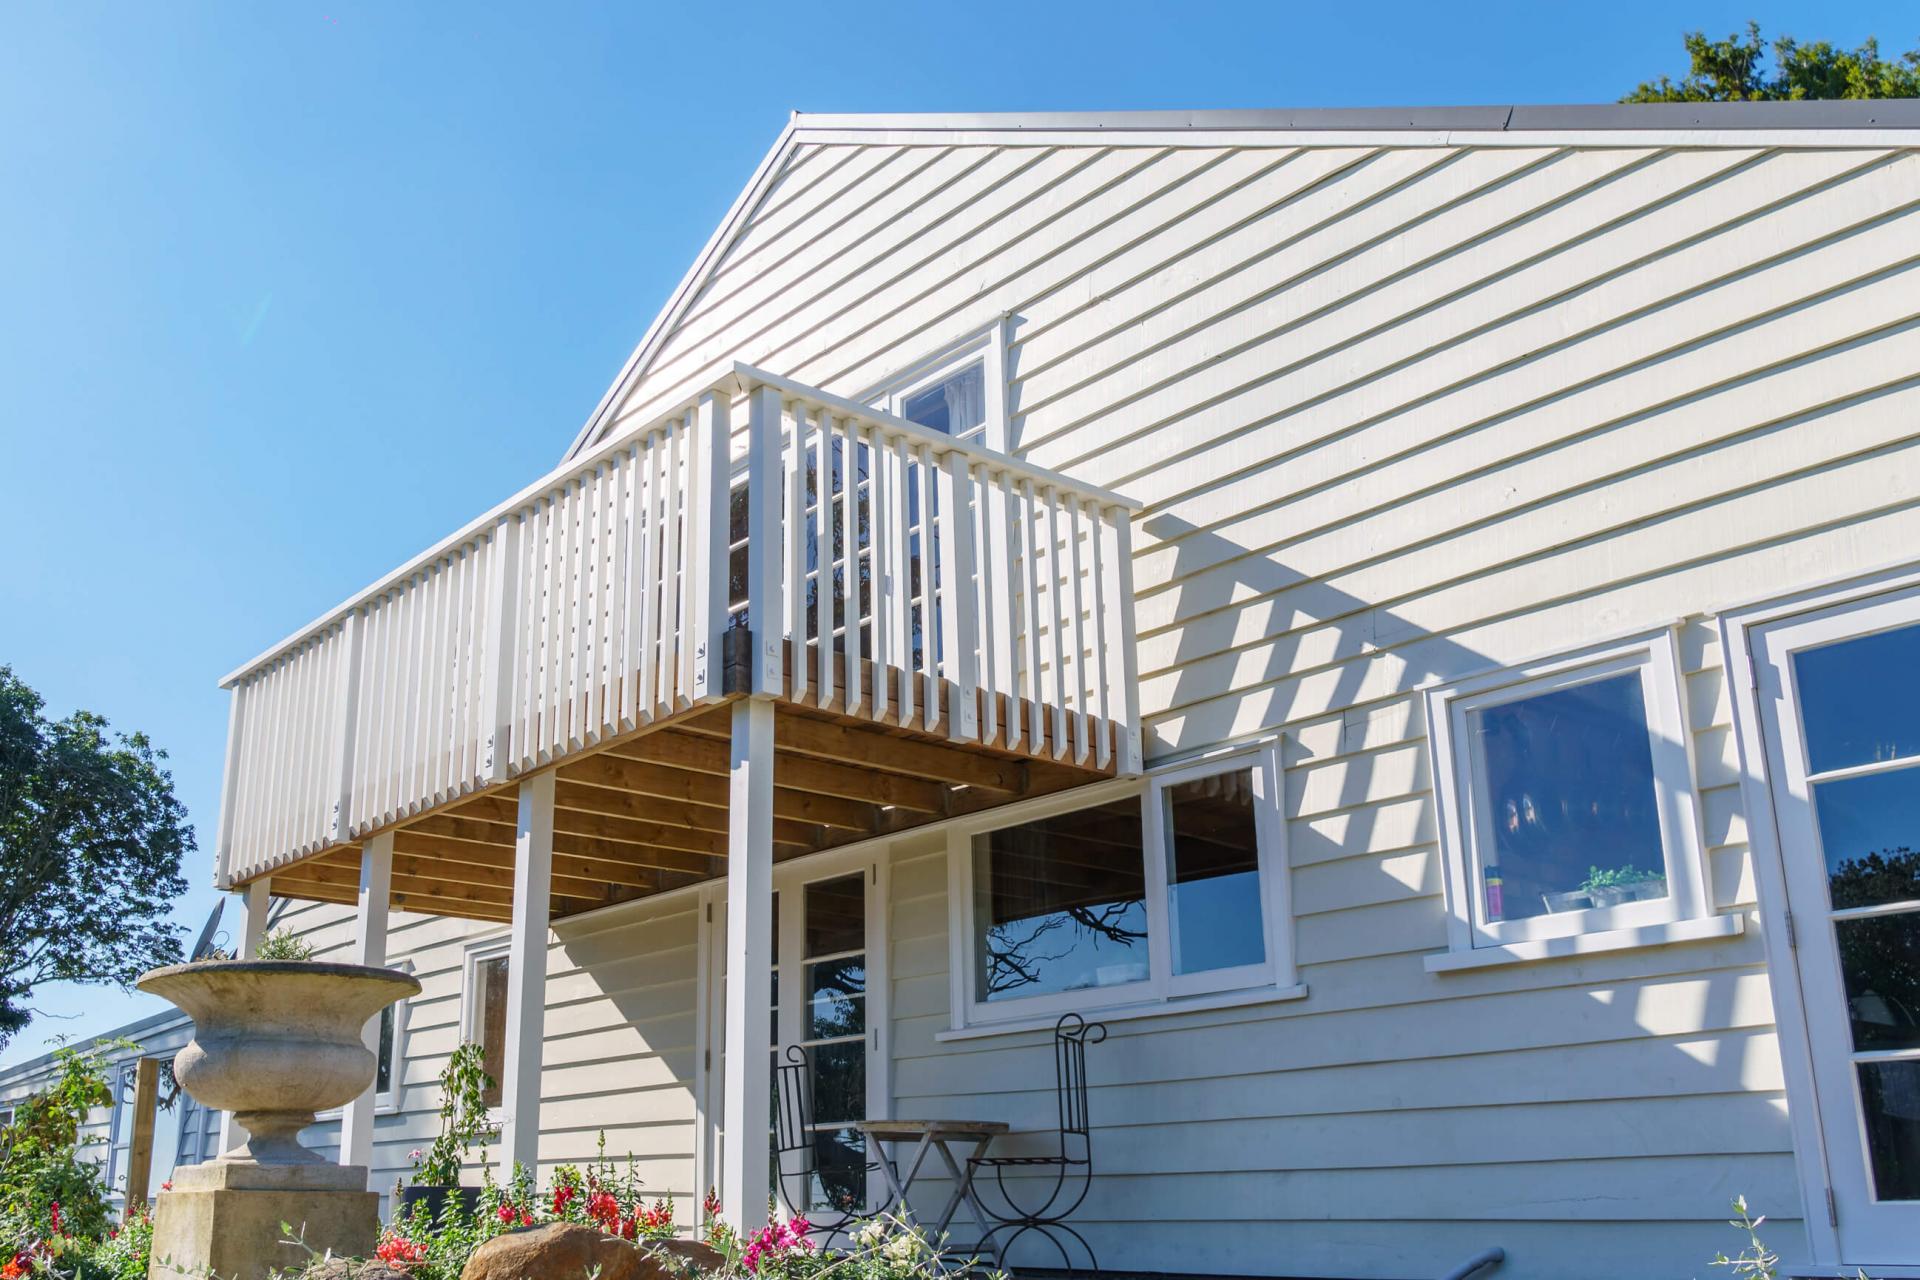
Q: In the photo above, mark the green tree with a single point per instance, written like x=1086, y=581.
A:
x=1732, y=70
x=91, y=839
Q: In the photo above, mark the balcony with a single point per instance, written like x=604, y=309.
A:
x=938, y=627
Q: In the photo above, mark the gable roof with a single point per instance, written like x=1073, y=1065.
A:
x=1429, y=125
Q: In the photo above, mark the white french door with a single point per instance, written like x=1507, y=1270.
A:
x=1839, y=700
x=829, y=998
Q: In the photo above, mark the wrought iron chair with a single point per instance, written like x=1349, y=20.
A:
x=1072, y=1164
x=797, y=1156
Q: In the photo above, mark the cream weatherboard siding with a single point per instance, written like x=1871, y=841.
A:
x=1398, y=414
x=1399, y=410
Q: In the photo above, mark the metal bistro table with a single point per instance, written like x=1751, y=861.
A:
x=934, y=1135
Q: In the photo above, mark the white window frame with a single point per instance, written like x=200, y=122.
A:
x=470, y=1029
x=985, y=346
x=1276, y=897
x=1159, y=992
x=386, y=1102
x=1655, y=657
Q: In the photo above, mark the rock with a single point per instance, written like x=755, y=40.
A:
x=687, y=1254
x=351, y=1269
x=557, y=1251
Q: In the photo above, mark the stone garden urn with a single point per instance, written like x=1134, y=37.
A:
x=274, y=1042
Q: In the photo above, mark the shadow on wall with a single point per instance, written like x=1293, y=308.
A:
x=1593, y=1116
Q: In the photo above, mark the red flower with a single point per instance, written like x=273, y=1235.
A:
x=505, y=1214
x=397, y=1248
x=167, y=1185
x=562, y=1197
x=53, y=1214
x=526, y=1219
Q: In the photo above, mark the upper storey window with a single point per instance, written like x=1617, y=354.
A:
x=959, y=391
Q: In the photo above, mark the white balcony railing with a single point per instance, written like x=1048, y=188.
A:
x=991, y=600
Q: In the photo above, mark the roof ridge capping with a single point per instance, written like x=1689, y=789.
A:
x=1877, y=113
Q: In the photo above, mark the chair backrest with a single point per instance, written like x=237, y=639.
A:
x=1071, y=1035
x=793, y=1121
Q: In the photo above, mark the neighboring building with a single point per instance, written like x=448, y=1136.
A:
x=1400, y=578
x=184, y=1132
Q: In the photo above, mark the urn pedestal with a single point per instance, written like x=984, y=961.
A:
x=273, y=1042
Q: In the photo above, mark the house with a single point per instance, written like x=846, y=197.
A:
x=1405, y=617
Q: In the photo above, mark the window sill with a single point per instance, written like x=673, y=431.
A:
x=1584, y=944
x=1131, y=1012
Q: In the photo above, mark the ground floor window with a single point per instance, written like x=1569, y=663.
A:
x=1566, y=796
x=485, y=1016
x=1168, y=888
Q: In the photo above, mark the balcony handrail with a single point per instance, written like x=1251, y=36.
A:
x=736, y=378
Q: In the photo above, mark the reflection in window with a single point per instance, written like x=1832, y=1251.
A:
x=1890, y=1098
x=1060, y=904
x=957, y=405
x=383, y=1075
x=1213, y=873
x=491, y=1019
x=1870, y=835
x=1850, y=711
x=1566, y=802
x=1880, y=965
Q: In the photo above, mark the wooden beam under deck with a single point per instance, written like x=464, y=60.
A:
x=648, y=812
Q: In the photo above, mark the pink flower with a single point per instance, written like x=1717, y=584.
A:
x=505, y=1214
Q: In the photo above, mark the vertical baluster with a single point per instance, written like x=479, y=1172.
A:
x=1057, y=625
x=593, y=595
x=380, y=729
x=823, y=556
x=1029, y=586
x=612, y=597
x=413, y=597
x=957, y=613
x=794, y=522
x=1102, y=634
x=712, y=510
x=646, y=576
x=623, y=659
x=989, y=589
x=765, y=488
x=1121, y=635
x=670, y=569
x=1076, y=634
x=850, y=560
x=299, y=734
x=579, y=579
x=691, y=632
x=881, y=567
x=904, y=567
x=559, y=544
x=469, y=559
x=1005, y=550
x=440, y=708
x=532, y=633
x=929, y=586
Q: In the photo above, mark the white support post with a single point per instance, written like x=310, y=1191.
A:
x=764, y=497
x=496, y=695
x=747, y=1117
x=370, y=948
x=707, y=541
x=254, y=898
x=527, y=977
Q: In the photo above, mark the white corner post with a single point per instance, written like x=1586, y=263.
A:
x=370, y=948
x=527, y=977
x=746, y=1116
x=254, y=897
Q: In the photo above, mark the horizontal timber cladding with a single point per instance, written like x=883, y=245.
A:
x=1395, y=414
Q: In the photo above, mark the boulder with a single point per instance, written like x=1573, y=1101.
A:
x=678, y=1257
x=351, y=1269
x=558, y=1251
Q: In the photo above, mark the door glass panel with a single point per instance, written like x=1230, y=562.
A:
x=836, y=916
x=1213, y=873
x=1870, y=834
x=1860, y=700
x=1880, y=965
x=1890, y=1096
x=1565, y=796
x=836, y=1003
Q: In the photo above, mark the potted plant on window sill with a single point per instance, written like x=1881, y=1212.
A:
x=464, y=1125
x=1620, y=885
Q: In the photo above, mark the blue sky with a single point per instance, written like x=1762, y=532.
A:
x=287, y=291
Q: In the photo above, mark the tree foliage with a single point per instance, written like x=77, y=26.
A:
x=1733, y=70
x=91, y=839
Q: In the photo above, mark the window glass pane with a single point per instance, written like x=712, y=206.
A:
x=1213, y=873
x=1880, y=965
x=1890, y=1098
x=1565, y=800
x=836, y=998
x=1060, y=904
x=839, y=1081
x=837, y=915
x=1859, y=701
x=493, y=1024
x=1870, y=836
x=383, y=1075
x=955, y=406
x=840, y=1169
